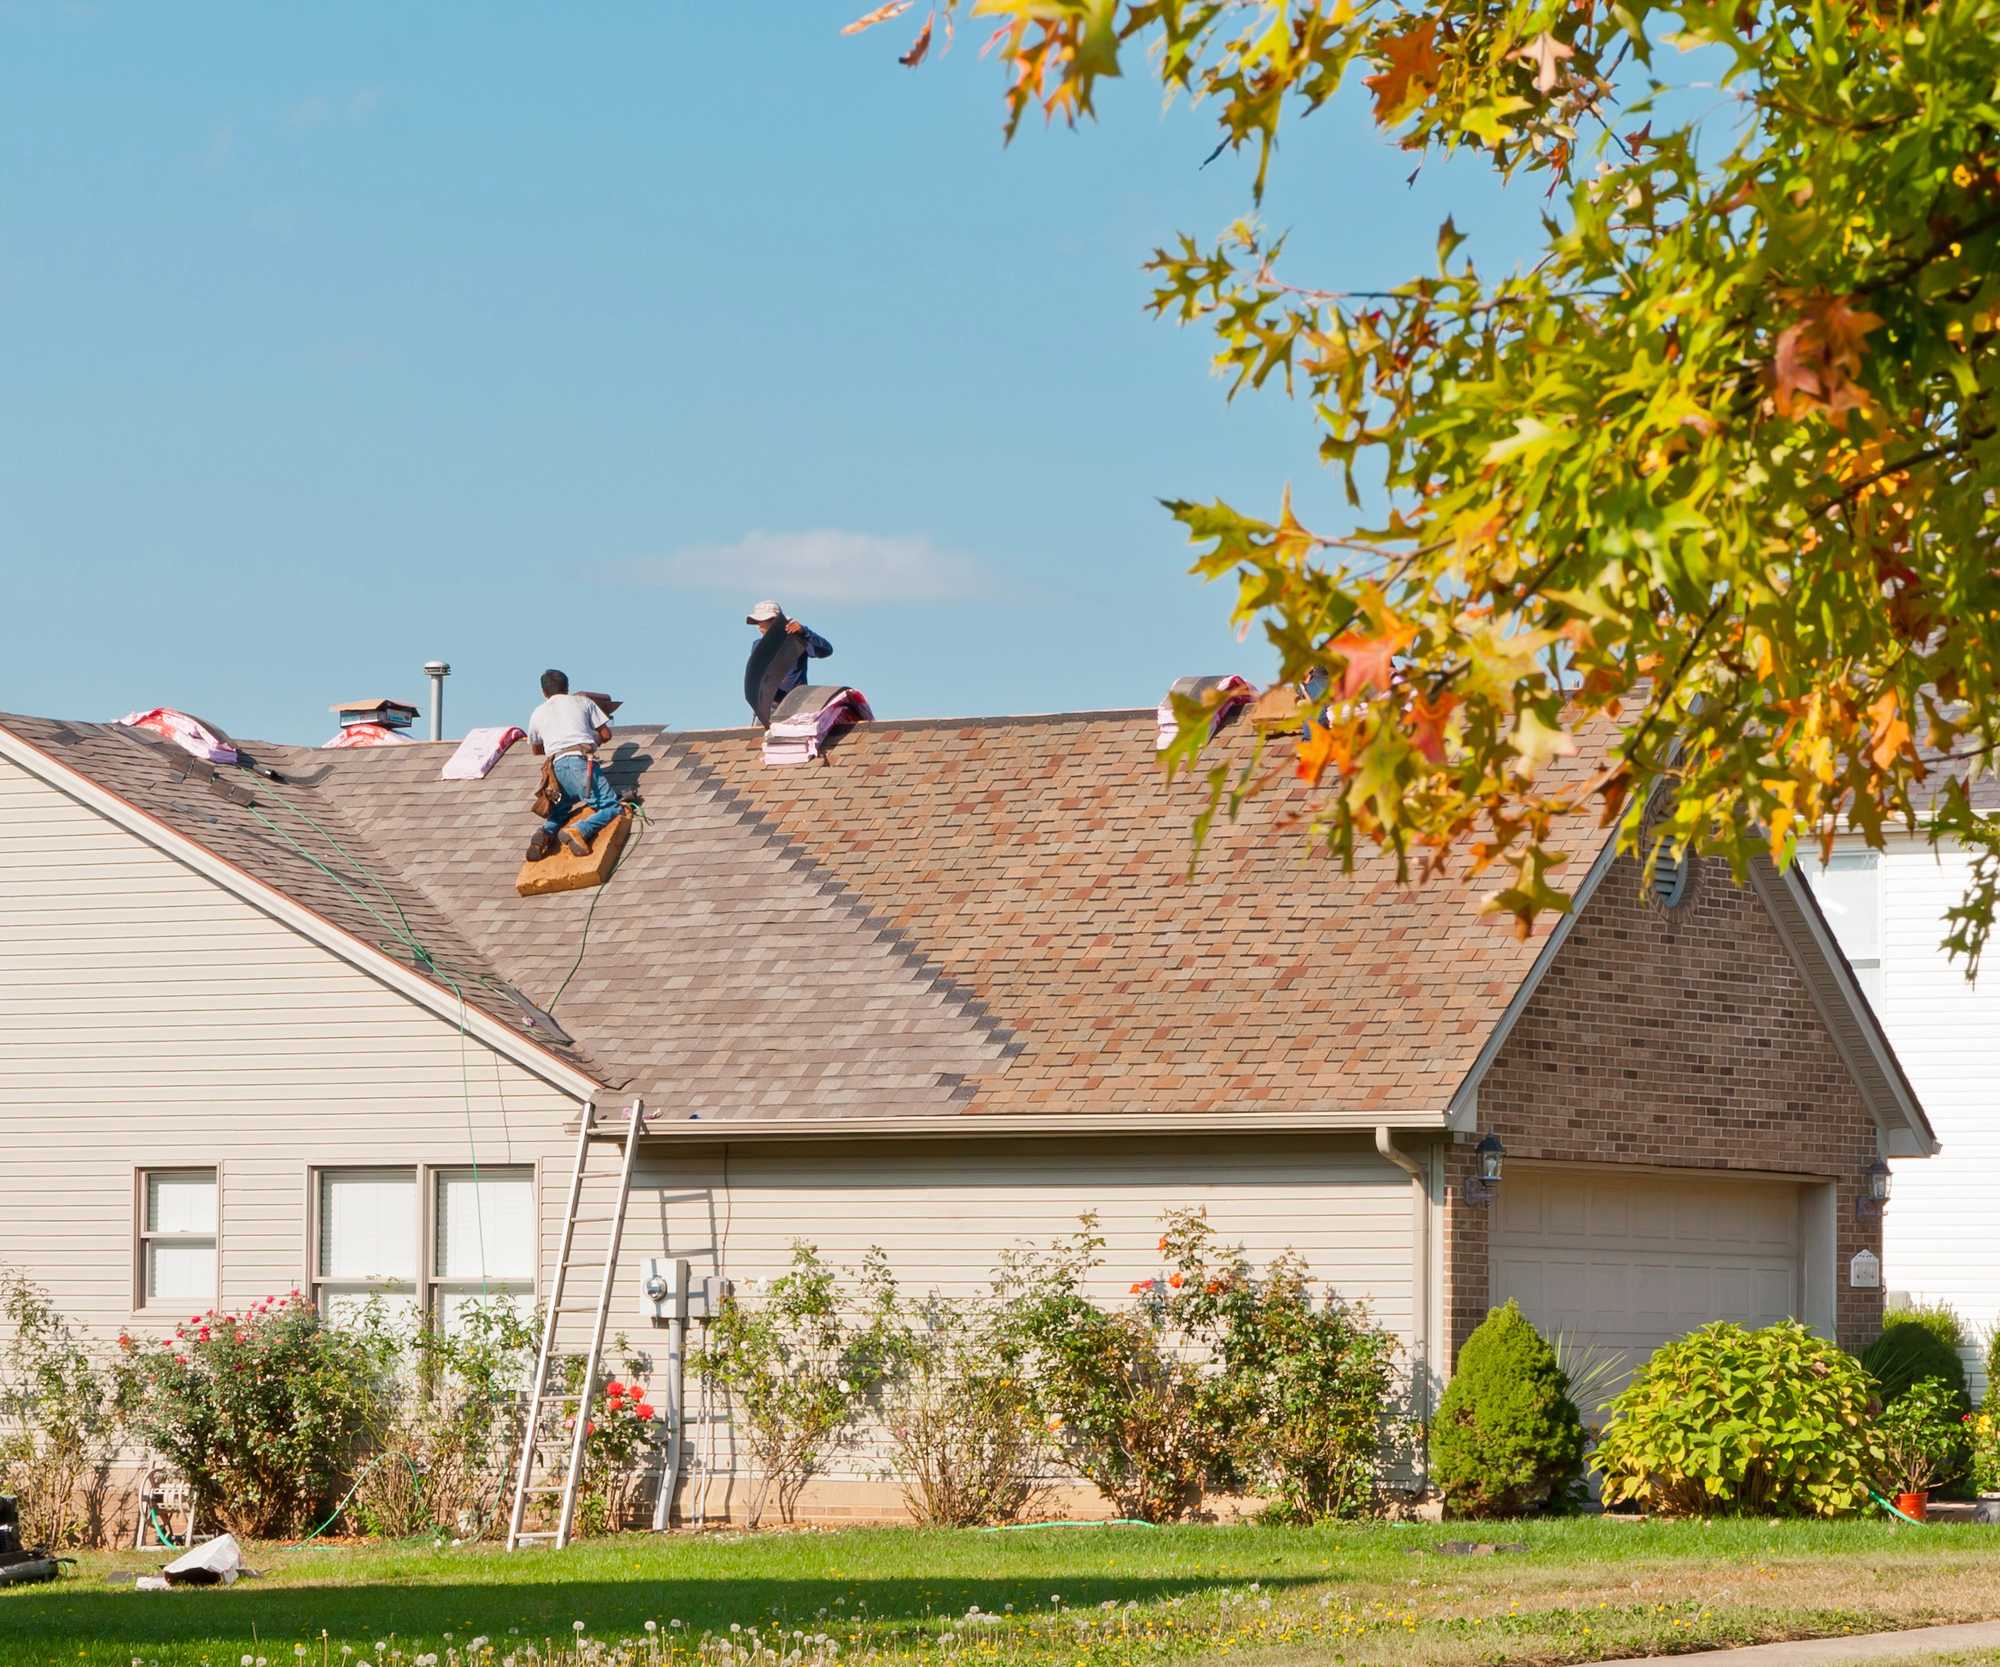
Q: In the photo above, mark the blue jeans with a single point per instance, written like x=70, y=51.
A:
x=581, y=784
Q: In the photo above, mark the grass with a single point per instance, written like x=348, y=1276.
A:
x=1580, y=1591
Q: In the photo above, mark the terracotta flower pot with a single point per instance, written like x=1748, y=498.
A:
x=1912, y=1504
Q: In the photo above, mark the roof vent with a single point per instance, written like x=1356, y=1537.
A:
x=1671, y=868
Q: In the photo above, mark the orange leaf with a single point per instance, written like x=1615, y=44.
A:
x=1320, y=748
x=1369, y=660
x=1410, y=73
x=919, y=46
x=1892, y=734
x=1546, y=53
x=881, y=14
x=1427, y=732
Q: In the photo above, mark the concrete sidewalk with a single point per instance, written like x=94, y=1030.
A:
x=1867, y=1646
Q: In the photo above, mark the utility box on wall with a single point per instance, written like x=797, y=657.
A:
x=670, y=1292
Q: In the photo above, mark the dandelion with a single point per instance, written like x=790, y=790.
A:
x=654, y=1626
x=576, y=1626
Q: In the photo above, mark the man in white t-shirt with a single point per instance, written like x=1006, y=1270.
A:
x=568, y=729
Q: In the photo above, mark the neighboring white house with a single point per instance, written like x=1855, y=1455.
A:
x=1888, y=910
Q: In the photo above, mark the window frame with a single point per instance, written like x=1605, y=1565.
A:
x=144, y=1236
x=428, y=1285
x=1875, y=864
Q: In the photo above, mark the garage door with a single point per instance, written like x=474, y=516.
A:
x=1623, y=1262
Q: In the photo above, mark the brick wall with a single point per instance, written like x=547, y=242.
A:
x=1677, y=1037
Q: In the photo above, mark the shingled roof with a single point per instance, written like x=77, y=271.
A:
x=950, y=919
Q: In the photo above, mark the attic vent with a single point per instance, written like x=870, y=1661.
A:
x=1670, y=876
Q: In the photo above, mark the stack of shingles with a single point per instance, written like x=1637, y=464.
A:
x=807, y=718
x=1229, y=693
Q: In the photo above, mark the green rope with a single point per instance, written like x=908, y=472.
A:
x=638, y=814
x=425, y=962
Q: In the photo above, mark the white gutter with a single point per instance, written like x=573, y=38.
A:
x=1420, y=1287
x=1000, y=1124
x=288, y=911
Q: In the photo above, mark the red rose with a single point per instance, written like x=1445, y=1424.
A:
x=1176, y=1281
x=614, y=1389
x=643, y=1410
x=203, y=1334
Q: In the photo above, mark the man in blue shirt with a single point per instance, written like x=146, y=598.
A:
x=769, y=617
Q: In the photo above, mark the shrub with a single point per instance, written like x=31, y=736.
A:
x=1726, y=1421
x=1984, y=1431
x=1128, y=1404
x=617, y=1446
x=1507, y=1438
x=800, y=1371
x=1925, y=1437
x=969, y=1450
x=261, y=1412
x=1907, y=1352
x=450, y=1429
x=1217, y=1377
x=1938, y=1318
x=57, y=1421
x=1304, y=1386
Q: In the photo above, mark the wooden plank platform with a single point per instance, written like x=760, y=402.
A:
x=563, y=870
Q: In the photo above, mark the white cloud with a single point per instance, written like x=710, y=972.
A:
x=821, y=565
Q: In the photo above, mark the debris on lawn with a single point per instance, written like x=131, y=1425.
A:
x=1474, y=1548
x=218, y=1563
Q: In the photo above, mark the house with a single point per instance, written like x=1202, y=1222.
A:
x=291, y=1027
x=1888, y=910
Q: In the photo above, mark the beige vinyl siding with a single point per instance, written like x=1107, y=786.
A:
x=151, y=1019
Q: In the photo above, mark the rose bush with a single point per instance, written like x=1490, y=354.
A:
x=263, y=1412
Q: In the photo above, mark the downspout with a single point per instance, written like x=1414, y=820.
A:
x=1420, y=1289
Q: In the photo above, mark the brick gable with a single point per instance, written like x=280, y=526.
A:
x=1677, y=1038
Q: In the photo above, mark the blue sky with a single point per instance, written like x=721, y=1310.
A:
x=349, y=336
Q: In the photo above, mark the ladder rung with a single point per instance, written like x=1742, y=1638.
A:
x=536, y=1534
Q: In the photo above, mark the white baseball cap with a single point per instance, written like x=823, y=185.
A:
x=763, y=611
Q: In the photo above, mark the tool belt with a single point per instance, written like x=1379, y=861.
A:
x=550, y=794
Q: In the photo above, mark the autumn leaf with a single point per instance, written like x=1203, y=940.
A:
x=1816, y=359
x=1427, y=724
x=1886, y=724
x=919, y=46
x=1546, y=54
x=1537, y=744
x=1409, y=74
x=1369, y=661
x=1320, y=748
x=881, y=14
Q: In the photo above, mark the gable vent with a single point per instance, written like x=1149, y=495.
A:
x=1670, y=876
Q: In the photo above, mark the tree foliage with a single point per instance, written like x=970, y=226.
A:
x=1717, y=469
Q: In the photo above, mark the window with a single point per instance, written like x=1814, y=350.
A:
x=1849, y=889
x=483, y=1240
x=374, y=1244
x=177, y=1237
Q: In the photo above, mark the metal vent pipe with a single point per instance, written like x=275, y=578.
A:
x=437, y=671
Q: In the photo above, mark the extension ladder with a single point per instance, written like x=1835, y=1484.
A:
x=538, y=1446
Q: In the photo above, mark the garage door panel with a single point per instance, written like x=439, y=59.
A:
x=1621, y=1264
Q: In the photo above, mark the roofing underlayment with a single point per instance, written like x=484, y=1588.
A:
x=952, y=917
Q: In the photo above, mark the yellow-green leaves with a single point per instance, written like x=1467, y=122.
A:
x=1705, y=494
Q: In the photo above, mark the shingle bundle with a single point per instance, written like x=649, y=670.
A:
x=807, y=718
x=1232, y=694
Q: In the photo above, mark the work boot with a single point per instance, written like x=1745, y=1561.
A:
x=542, y=845
x=576, y=842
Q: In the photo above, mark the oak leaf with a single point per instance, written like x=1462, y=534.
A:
x=1369, y=661
x=881, y=14
x=1321, y=747
x=1546, y=54
x=1409, y=74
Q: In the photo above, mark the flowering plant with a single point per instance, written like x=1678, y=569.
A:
x=261, y=1412
x=1983, y=1431
x=618, y=1438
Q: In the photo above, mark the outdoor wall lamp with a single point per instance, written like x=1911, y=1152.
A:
x=1484, y=1187
x=1868, y=1207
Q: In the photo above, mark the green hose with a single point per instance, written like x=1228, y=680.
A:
x=160, y=1528
x=1914, y=1522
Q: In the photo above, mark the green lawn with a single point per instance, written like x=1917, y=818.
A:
x=1060, y=1598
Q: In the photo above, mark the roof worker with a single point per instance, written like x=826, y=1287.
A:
x=768, y=617
x=568, y=730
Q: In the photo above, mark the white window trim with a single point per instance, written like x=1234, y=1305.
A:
x=143, y=1235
